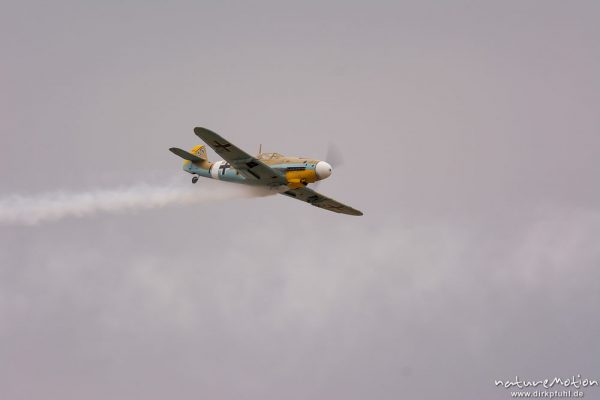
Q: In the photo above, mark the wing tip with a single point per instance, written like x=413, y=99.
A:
x=200, y=130
x=353, y=212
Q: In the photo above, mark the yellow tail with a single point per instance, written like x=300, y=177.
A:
x=200, y=152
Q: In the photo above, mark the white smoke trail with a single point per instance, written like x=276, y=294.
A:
x=31, y=210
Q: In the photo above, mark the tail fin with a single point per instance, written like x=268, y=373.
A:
x=197, y=154
x=200, y=152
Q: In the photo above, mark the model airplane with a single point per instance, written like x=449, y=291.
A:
x=286, y=175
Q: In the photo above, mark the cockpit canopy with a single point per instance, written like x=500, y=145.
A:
x=269, y=156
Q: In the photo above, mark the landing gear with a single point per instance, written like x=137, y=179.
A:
x=194, y=179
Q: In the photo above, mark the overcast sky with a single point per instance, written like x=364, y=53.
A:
x=471, y=134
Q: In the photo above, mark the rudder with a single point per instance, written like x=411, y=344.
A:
x=200, y=152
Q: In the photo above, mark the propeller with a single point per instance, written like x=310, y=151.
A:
x=334, y=156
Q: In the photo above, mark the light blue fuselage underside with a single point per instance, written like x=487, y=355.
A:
x=223, y=172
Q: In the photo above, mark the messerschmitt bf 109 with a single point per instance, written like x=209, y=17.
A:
x=287, y=175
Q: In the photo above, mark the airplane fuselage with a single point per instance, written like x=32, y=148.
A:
x=297, y=171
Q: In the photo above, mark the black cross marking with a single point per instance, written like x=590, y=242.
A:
x=222, y=146
x=224, y=167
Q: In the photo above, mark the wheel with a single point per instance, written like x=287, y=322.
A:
x=195, y=179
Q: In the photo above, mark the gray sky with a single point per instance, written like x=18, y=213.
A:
x=471, y=137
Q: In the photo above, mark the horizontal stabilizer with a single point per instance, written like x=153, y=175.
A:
x=185, y=155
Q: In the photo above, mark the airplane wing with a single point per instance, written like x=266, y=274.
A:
x=248, y=166
x=318, y=200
